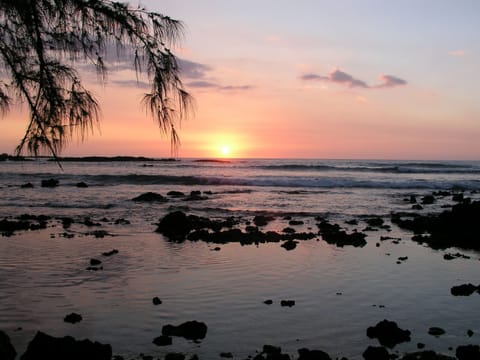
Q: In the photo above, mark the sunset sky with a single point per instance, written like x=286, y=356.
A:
x=373, y=79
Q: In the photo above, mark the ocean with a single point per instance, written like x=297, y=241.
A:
x=338, y=291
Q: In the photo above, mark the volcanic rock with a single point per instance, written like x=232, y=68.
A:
x=388, y=333
x=191, y=330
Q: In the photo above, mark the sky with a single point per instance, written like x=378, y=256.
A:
x=342, y=79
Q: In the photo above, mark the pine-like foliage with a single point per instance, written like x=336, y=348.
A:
x=42, y=42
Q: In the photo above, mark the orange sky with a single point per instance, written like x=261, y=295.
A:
x=304, y=81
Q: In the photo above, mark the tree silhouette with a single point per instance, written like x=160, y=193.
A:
x=41, y=43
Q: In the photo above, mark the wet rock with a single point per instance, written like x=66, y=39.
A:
x=81, y=184
x=72, y=318
x=376, y=353
x=66, y=222
x=175, y=356
x=451, y=256
x=162, y=340
x=175, y=225
x=175, y=194
x=436, y=331
x=156, y=300
x=150, y=197
x=191, y=330
x=289, y=230
x=94, y=268
x=89, y=222
x=122, y=221
x=28, y=185
x=44, y=346
x=110, y=253
x=468, y=352
x=268, y=302
x=428, y=199
x=99, y=233
x=8, y=227
x=95, y=262
x=388, y=333
x=420, y=345
x=226, y=355
x=333, y=234
x=306, y=354
x=426, y=355
x=289, y=245
x=458, y=197
x=287, y=303
x=470, y=333
x=464, y=290
x=7, y=351
x=50, y=183
x=195, y=196
x=262, y=220
x=295, y=222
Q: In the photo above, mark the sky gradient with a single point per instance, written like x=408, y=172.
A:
x=306, y=79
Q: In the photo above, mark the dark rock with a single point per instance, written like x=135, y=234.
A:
x=464, y=290
x=191, y=330
x=376, y=353
x=295, y=222
x=426, y=355
x=458, y=197
x=468, y=352
x=73, y=318
x=44, y=346
x=82, y=185
x=195, y=196
x=67, y=222
x=95, y=262
x=175, y=194
x=289, y=230
x=352, y=222
x=88, y=222
x=306, y=354
x=175, y=225
x=420, y=345
x=268, y=302
x=50, y=183
x=7, y=351
x=289, y=245
x=175, y=356
x=333, y=234
x=470, y=333
x=288, y=303
x=122, y=221
x=375, y=222
x=150, y=197
x=262, y=220
x=110, y=253
x=417, y=207
x=28, y=185
x=8, y=227
x=98, y=233
x=227, y=355
x=388, y=333
x=436, y=331
x=162, y=340
x=428, y=199
x=156, y=300
x=94, y=268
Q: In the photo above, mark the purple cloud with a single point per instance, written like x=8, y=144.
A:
x=390, y=81
x=193, y=70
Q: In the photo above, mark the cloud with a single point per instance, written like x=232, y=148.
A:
x=200, y=84
x=390, y=81
x=193, y=70
x=457, y=53
x=340, y=77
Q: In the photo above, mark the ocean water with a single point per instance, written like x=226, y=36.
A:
x=339, y=292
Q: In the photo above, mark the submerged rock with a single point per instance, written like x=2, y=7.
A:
x=73, y=318
x=44, y=346
x=287, y=303
x=162, y=340
x=7, y=351
x=388, y=333
x=289, y=244
x=333, y=234
x=262, y=220
x=436, y=331
x=150, y=197
x=464, y=290
x=156, y=301
x=50, y=183
x=191, y=330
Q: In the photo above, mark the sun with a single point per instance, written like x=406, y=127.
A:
x=225, y=150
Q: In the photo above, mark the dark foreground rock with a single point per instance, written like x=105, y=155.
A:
x=44, y=346
x=73, y=318
x=464, y=290
x=162, y=340
x=427, y=355
x=376, y=353
x=388, y=333
x=333, y=234
x=468, y=352
x=191, y=330
x=457, y=227
x=306, y=354
x=49, y=183
x=7, y=351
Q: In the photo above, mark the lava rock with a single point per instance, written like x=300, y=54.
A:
x=50, y=183
x=226, y=355
x=426, y=355
x=436, y=331
x=464, y=289
x=150, y=197
x=175, y=356
x=376, y=353
x=175, y=194
x=287, y=303
x=110, y=253
x=81, y=184
x=289, y=245
x=191, y=330
x=72, y=318
x=28, y=185
x=268, y=302
x=388, y=333
x=162, y=340
x=44, y=346
x=262, y=220
x=306, y=354
x=95, y=262
x=7, y=351
x=156, y=300
x=468, y=352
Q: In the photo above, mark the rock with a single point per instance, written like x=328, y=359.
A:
x=81, y=184
x=28, y=185
x=156, y=300
x=50, y=183
x=195, y=196
x=99, y=234
x=470, y=333
x=7, y=351
x=436, y=331
x=175, y=225
x=110, y=253
x=288, y=303
x=175, y=356
x=333, y=234
x=426, y=355
x=468, y=352
x=73, y=318
x=95, y=262
x=420, y=345
x=428, y=199
x=268, y=302
x=289, y=245
x=44, y=346
x=289, y=230
x=122, y=221
x=262, y=220
x=306, y=354
x=175, y=194
x=191, y=330
x=150, y=197
x=226, y=355
x=295, y=222
x=376, y=353
x=162, y=340
x=388, y=333
x=464, y=290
